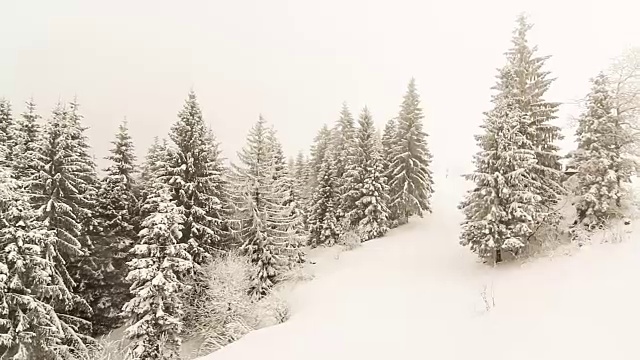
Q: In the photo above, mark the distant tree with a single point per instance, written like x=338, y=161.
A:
x=26, y=132
x=6, y=123
x=323, y=220
x=389, y=141
x=342, y=145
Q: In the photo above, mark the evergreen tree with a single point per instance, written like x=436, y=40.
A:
x=366, y=182
x=30, y=287
x=598, y=161
x=388, y=142
x=62, y=200
x=323, y=222
x=6, y=123
x=321, y=144
x=529, y=85
x=26, y=131
x=196, y=176
x=411, y=180
x=343, y=143
x=113, y=235
x=502, y=209
x=160, y=260
x=263, y=224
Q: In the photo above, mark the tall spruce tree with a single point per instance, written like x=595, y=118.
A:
x=196, y=176
x=6, y=138
x=321, y=143
x=160, y=261
x=529, y=86
x=502, y=209
x=366, y=182
x=32, y=287
x=411, y=183
x=324, y=228
x=388, y=142
x=342, y=145
x=113, y=235
x=26, y=133
x=262, y=223
x=600, y=165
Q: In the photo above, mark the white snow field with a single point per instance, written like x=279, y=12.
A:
x=416, y=294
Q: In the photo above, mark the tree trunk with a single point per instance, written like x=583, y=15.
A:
x=498, y=256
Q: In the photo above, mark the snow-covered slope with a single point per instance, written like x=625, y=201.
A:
x=417, y=294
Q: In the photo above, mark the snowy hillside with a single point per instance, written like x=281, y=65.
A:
x=417, y=294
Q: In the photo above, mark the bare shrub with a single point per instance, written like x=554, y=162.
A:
x=224, y=311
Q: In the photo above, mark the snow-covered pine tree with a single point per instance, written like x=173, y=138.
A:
x=26, y=132
x=529, y=85
x=321, y=143
x=31, y=286
x=160, y=260
x=155, y=165
x=411, y=183
x=598, y=160
x=115, y=224
x=342, y=145
x=196, y=176
x=323, y=223
x=366, y=182
x=389, y=140
x=6, y=138
x=262, y=223
x=62, y=201
x=501, y=210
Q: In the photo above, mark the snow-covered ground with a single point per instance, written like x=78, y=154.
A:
x=417, y=294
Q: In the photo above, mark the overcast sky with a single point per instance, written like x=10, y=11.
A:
x=293, y=61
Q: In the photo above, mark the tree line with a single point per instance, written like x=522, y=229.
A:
x=82, y=254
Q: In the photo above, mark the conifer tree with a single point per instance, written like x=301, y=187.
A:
x=529, y=85
x=26, y=132
x=160, y=260
x=31, y=286
x=155, y=164
x=196, y=176
x=6, y=123
x=321, y=143
x=323, y=221
x=62, y=200
x=502, y=209
x=411, y=180
x=388, y=142
x=366, y=182
x=600, y=166
x=113, y=235
x=342, y=144
x=262, y=223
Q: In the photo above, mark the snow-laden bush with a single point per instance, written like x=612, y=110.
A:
x=350, y=239
x=224, y=310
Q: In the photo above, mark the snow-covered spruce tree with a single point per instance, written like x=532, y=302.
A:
x=155, y=163
x=389, y=141
x=63, y=203
x=342, y=145
x=196, y=176
x=321, y=143
x=323, y=222
x=411, y=183
x=115, y=224
x=501, y=210
x=265, y=227
x=529, y=85
x=159, y=261
x=26, y=132
x=366, y=182
x=6, y=138
x=598, y=160
x=35, y=296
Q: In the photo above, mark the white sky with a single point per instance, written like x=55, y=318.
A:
x=293, y=61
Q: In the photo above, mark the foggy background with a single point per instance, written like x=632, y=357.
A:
x=294, y=61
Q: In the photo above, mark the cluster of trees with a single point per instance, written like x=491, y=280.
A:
x=519, y=178
x=82, y=254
